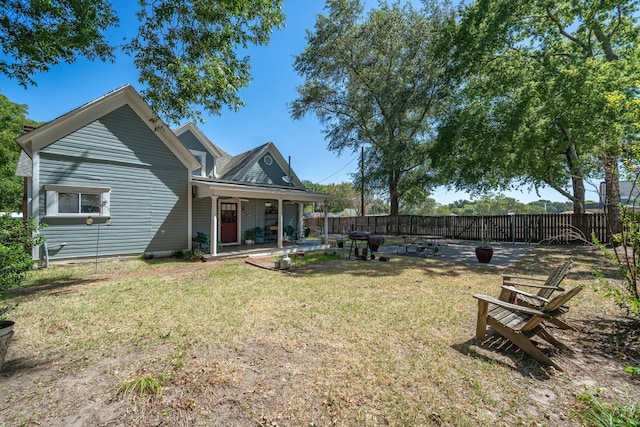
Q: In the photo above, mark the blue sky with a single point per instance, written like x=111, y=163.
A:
x=265, y=117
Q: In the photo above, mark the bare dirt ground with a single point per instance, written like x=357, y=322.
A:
x=238, y=386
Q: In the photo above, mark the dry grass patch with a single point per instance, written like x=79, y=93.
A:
x=358, y=343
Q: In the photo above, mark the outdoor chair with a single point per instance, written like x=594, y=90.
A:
x=512, y=293
x=259, y=235
x=519, y=324
x=291, y=232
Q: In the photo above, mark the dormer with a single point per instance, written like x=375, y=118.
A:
x=208, y=154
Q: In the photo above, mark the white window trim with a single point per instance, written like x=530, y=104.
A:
x=202, y=158
x=52, y=191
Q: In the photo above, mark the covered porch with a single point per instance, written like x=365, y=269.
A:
x=224, y=212
x=267, y=249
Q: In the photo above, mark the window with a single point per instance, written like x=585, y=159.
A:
x=268, y=160
x=78, y=200
x=202, y=158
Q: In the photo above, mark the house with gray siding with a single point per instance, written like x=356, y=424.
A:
x=110, y=179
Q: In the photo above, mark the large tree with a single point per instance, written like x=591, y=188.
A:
x=186, y=51
x=535, y=79
x=345, y=196
x=375, y=80
x=12, y=117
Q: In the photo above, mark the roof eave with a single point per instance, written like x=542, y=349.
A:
x=58, y=128
x=253, y=191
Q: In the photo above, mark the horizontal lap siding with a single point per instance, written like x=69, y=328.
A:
x=202, y=216
x=290, y=215
x=193, y=143
x=169, y=210
x=148, y=189
x=248, y=216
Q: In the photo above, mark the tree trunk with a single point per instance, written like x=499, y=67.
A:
x=394, y=195
x=578, y=194
x=612, y=194
x=394, y=201
x=577, y=180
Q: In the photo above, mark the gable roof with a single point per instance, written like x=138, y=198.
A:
x=56, y=129
x=237, y=167
x=238, y=163
x=212, y=148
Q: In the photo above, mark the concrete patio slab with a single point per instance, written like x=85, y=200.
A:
x=462, y=251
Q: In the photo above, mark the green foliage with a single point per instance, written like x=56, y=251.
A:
x=377, y=207
x=144, y=256
x=15, y=262
x=345, y=196
x=634, y=371
x=201, y=240
x=16, y=240
x=12, y=118
x=533, y=105
x=498, y=204
x=598, y=414
x=426, y=206
x=375, y=80
x=186, y=51
x=179, y=254
x=142, y=385
x=36, y=35
x=625, y=255
x=485, y=243
x=4, y=309
x=193, y=255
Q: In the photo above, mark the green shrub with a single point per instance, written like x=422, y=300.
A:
x=194, y=255
x=599, y=414
x=16, y=240
x=179, y=254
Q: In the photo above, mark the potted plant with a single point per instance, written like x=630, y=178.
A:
x=484, y=251
x=249, y=235
x=6, y=332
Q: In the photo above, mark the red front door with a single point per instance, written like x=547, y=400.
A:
x=229, y=222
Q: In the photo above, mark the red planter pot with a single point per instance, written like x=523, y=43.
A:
x=484, y=254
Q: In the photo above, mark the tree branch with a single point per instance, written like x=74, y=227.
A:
x=562, y=30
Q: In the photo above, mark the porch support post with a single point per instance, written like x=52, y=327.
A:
x=280, y=222
x=190, y=216
x=325, y=238
x=35, y=200
x=213, y=242
x=300, y=220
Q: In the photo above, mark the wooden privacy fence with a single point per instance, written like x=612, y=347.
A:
x=547, y=228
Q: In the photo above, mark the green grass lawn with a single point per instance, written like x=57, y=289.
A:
x=226, y=343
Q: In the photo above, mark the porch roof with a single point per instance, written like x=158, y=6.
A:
x=237, y=190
